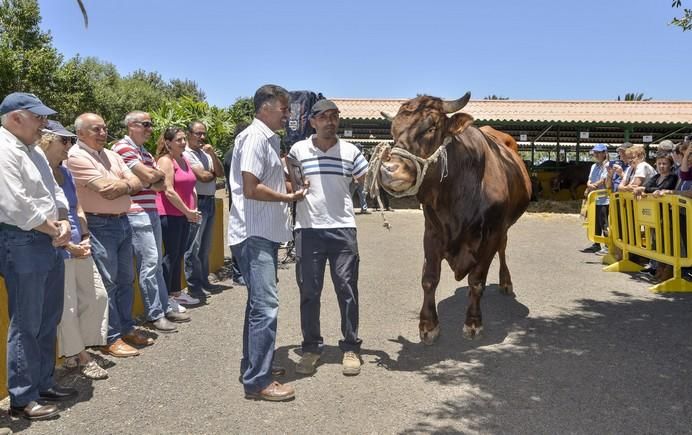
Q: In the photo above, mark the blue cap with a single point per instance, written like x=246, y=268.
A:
x=24, y=101
x=56, y=128
x=599, y=148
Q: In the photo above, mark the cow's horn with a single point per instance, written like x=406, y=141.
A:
x=456, y=105
x=389, y=116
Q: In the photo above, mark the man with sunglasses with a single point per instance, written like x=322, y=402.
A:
x=145, y=222
x=30, y=231
x=206, y=166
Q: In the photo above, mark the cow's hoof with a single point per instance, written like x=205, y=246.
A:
x=507, y=289
x=429, y=337
x=472, y=332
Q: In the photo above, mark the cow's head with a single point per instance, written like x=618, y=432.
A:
x=420, y=127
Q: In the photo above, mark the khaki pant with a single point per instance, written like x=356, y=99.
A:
x=85, y=314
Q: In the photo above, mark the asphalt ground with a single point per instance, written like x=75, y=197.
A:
x=577, y=351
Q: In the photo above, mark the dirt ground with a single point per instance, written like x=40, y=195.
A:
x=577, y=351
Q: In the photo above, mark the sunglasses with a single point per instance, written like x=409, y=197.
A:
x=71, y=140
x=145, y=124
x=199, y=133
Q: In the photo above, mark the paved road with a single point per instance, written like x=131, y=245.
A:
x=577, y=351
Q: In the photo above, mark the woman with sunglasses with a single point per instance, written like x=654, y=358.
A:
x=85, y=313
x=177, y=206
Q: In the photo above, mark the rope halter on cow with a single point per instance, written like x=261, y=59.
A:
x=372, y=185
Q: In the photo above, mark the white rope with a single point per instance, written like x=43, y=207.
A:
x=372, y=185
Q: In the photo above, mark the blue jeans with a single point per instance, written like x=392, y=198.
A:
x=198, y=246
x=111, y=247
x=361, y=197
x=34, y=276
x=147, y=248
x=258, y=260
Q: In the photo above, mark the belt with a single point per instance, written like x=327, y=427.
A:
x=5, y=226
x=206, y=196
x=107, y=215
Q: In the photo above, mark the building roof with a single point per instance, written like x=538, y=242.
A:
x=611, y=112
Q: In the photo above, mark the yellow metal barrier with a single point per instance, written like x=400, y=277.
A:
x=653, y=228
x=216, y=257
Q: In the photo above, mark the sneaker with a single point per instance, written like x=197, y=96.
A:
x=185, y=299
x=239, y=281
x=364, y=211
x=350, y=363
x=603, y=251
x=92, y=370
x=164, y=325
x=591, y=249
x=175, y=316
x=308, y=363
x=215, y=288
x=173, y=305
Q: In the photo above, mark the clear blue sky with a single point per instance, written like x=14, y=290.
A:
x=529, y=49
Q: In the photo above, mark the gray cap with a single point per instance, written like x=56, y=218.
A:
x=666, y=145
x=322, y=106
x=624, y=146
x=56, y=128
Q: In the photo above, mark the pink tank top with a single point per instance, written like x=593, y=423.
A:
x=184, y=184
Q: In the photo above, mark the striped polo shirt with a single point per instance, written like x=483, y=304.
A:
x=328, y=201
x=145, y=199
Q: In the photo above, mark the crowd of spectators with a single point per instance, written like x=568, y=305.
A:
x=78, y=214
x=671, y=174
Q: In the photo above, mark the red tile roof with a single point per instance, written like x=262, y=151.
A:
x=631, y=112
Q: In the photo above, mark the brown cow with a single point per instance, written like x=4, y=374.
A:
x=468, y=212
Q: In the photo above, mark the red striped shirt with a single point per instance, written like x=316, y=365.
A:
x=145, y=199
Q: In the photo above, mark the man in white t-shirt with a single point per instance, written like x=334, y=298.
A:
x=325, y=229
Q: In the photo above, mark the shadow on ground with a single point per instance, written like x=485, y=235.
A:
x=594, y=369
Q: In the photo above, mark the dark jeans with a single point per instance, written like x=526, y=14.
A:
x=174, y=232
x=601, y=219
x=258, y=260
x=111, y=247
x=313, y=248
x=198, y=246
x=34, y=276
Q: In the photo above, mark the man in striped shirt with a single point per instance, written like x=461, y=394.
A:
x=258, y=222
x=326, y=230
x=145, y=222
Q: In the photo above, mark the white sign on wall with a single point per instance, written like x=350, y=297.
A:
x=348, y=133
x=523, y=137
x=647, y=139
x=583, y=135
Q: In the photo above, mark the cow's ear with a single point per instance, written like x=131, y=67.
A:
x=458, y=123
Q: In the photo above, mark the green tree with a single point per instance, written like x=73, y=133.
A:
x=634, y=96
x=495, y=97
x=684, y=21
x=28, y=61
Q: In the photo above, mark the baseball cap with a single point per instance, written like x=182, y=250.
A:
x=322, y=106
x=57, y=128
x=599, y=148
x=625, y=145
x=666, y=145
x=24, y=101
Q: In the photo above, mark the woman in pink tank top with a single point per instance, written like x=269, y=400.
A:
x=177, y=206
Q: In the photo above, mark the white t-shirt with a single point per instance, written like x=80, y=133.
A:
x=645, y=171
x=328, y=202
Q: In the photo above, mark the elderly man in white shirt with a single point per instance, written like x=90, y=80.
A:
x=30, y=231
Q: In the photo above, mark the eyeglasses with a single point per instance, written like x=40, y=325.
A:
x=41, y=117
x=66, y=140
x=145, y=124
x=199, y=133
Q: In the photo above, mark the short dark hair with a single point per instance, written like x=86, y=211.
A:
x=268, y=94
x=665, y=155
x=191, y=125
